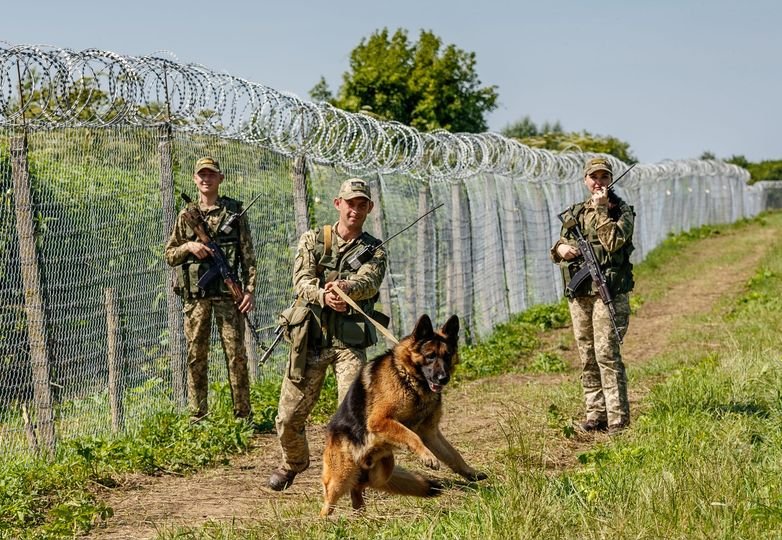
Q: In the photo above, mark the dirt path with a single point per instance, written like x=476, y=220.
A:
x=236, y=493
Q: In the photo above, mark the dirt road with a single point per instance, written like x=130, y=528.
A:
x=712, y=268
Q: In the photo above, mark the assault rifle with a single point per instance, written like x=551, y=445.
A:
x=368, y=252
x=220, y=266
x=277, y=337
x=591, y=267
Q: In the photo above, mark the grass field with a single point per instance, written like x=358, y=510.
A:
x=703, y=457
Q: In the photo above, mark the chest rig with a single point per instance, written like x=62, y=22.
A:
x=190, y=271
x=346, y=329
x=616, y=266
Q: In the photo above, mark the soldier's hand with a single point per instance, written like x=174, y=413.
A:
x=247, y=304
x=600, y=197
x=568, y=252
x=332, y=299
x=199, y=250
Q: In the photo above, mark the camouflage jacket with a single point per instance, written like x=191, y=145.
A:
x=610, y=232
x=239, y=251
x=308, y=284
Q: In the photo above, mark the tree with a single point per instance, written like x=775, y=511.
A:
x=582, y=142
x=321, y=91
x=521, y=128
x=762, y=171
x=527, y=128
x=422, y=84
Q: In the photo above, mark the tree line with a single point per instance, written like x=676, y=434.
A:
x=430, y=85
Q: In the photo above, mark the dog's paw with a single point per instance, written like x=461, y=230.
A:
x=474, y=476
x=430, y=460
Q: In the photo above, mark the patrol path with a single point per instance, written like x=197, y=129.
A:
x=476, y=413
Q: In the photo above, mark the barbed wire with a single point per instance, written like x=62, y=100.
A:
x=42, y=87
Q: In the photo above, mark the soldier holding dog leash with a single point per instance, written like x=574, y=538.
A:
x=321, y=327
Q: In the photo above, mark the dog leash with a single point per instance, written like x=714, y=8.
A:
x=382, y=329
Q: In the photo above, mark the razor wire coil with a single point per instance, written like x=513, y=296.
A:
x=44, y=88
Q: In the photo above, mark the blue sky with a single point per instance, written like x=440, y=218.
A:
x=673, y=78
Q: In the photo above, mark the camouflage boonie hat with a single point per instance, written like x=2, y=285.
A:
x=597, y=164
x=354, y=187
x=207, y=163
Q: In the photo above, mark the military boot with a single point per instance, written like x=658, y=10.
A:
x=594, y=425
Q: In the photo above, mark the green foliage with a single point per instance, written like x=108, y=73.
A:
x=55, y=499
x=527, y=128
x=425, y=85
x=584, y=142
x=767, y=170
x=764, y=170
x=511, y=345
x=503, y=351
x=546, y=316
x=547, y=362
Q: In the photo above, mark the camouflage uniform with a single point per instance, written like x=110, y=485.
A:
x=603, y=376
x=200, y=305
x=325, y=346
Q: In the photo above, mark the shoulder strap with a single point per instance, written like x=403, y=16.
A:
x=323, y=245
x=327, y=239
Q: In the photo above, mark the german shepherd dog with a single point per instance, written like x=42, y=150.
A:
x=394, y=402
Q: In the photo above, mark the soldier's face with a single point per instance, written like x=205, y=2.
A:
x=597, y=180
x=207, y=181
x=353, y=212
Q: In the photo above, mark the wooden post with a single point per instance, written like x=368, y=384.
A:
x=379, y=231
x=29, y=429
x=426, y=255
x=300, y=199
x=33, y=301
x=252, y=353
x=173, y=304
x=116, y=364
x=462, y=259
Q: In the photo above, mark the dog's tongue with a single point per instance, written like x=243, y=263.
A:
x=435, y=387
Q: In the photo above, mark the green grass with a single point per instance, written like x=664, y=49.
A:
x=701, y=461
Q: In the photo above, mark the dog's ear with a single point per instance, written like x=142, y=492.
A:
x=451, y=329
x=423, y=328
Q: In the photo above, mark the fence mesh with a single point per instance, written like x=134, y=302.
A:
x=95, y=150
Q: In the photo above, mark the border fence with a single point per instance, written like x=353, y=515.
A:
x=95, y=148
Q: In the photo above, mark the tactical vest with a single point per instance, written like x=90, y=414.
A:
x=616, y=266
x=187, y=274
x=348, y=329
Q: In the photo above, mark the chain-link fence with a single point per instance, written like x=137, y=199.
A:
x=96, y=147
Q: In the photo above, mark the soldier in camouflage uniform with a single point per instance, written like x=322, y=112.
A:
x=190, y=259
x=330, y=332
x=607, y=222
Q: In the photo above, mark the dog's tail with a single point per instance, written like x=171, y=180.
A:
x=404, y=482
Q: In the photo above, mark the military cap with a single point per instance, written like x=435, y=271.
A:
x=207, y=163
x=354, y=187
x=597, y=164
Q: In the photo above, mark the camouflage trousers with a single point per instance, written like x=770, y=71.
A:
x=198, y=329
x=298, y=399
x=603, y=376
